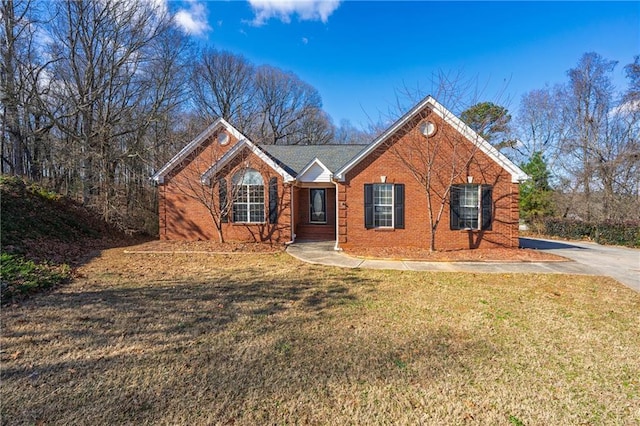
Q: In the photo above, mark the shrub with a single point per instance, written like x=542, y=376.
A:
x=614, y=233
x=20, y=277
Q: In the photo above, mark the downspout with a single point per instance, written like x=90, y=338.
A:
x=337, y=246
x=292, y=221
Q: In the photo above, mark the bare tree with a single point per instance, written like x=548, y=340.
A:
x=439, y=161
x=241, y=189
x=633, y=74
x=22, y=89
x=287, y=106
x=589, y=136
x=316, y=129
x=540, y=125
x=109, y=88
x=589, y=101
x=212, y=192
x=267, y=104
x=161, y=119
x=223, y=86
x=347, y=133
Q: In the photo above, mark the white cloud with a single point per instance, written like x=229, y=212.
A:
x=193, y=19
x=626, y=109
x=190, y=17
x=305, y=40
x=307, y=10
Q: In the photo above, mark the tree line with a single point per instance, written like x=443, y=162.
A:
x=580, y=143
x=95, y=96
x=94, y=99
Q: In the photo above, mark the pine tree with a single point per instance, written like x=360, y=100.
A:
x=536, y=195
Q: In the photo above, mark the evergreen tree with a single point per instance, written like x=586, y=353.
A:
x=536, y=195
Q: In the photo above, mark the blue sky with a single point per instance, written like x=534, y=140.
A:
x=358, y=53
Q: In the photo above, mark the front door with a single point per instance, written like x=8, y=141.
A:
x=317, y=205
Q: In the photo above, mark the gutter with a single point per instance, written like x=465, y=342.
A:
x=336, y=247
x=292, y=221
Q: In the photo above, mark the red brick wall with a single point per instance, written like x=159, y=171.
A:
x=309, y=230
x=303, y=208
x=449, y=148
x=183, y=214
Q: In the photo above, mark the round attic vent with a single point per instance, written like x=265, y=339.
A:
x=427, y=128
x=223, y=138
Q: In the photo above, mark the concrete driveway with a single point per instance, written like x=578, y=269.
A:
x=620, y=263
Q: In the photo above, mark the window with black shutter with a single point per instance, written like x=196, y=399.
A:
x=273, y=200
x=471, y=207
x=398, y=205
x=368, y=205
x=487, y=207
x=384, y=205
x=222, y=197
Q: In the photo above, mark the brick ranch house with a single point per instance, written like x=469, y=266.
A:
x=355, y=195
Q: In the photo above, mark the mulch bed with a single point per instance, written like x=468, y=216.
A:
x=477, y=255
x=204, y=247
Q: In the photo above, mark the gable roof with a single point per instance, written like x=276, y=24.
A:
x=295, y=158
x=516, y=173
x=220, y=123
x=235, y=150
x=315, y=171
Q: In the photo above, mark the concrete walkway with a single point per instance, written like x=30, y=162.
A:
x=588, y=259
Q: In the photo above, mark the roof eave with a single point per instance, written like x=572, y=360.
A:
x=158, y=177
x=340, y=174
x=517, y=175
x=229, y=155
x=305, y=169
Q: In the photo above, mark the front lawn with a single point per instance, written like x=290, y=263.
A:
x=266, y=339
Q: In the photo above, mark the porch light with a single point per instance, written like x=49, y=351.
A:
x=383, y=179
x=469, y=179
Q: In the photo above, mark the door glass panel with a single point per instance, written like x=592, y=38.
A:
x=318, y=209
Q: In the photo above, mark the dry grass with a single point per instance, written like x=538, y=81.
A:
x=265, y=339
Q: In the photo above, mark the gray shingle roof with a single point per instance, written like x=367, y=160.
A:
x=293, y=158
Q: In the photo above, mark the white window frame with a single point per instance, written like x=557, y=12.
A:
x=468, y=189
x=242, y=196
x=376, y=205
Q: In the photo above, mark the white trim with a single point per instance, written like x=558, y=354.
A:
x=188, y=149
x=315, y=162
x=517, y=175
x=246, y=201
x=336, y=246
x=237, y=148
x=293, y=220
x=393, y=206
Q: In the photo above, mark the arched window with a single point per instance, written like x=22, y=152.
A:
x=248, y=196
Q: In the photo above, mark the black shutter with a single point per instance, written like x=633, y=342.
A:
x=222, y=195
x=273, y=200
x=398, y=200
x=454, y=206
x=368, y=205
x=487, y=206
